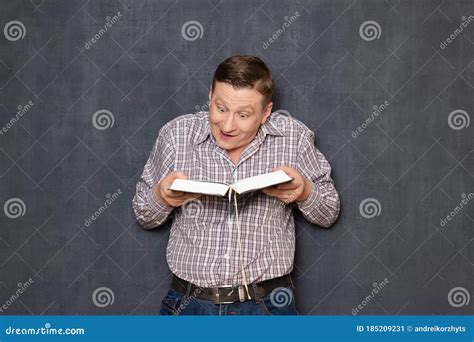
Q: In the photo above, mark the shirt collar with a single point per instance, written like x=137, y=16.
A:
x=268, y=127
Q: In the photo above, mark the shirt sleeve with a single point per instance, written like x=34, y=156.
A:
x=150, y=213
x=322, y=206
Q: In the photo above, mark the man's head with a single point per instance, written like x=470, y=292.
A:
x=240, y=100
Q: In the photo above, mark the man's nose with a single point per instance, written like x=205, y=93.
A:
x=229, y=123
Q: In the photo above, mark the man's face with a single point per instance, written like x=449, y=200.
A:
x=235, y=115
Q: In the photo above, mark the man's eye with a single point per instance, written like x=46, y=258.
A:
x=220, y=109
x=243, y=115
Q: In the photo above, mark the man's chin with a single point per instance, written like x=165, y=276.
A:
x=226, y=145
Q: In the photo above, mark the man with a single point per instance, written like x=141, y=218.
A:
x=217, y=268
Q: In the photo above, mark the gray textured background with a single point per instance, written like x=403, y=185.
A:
x=409, y=159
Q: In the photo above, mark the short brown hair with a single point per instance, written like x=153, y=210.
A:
x=246, y=72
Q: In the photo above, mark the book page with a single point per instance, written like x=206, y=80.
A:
x=261, y=181
x=205, y=188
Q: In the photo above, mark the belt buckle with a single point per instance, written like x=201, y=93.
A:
x=215, y=292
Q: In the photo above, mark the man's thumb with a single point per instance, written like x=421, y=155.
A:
x=180, y=174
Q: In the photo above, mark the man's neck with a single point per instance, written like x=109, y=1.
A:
x=234, y=155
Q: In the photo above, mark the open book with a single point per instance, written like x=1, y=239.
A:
x=240, y=187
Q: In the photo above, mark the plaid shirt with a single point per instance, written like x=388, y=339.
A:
x=203, y=244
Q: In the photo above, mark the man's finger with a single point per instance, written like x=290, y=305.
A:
x=269, y=191
x=287, y=186
x=177, y=175
x=174, y=193
x=191, y=196
x=186, y=196
x=278, y=193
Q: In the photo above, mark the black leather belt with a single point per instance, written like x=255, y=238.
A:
x=229, y=294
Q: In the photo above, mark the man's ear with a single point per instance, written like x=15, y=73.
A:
x=267, y=111
x=210, y=94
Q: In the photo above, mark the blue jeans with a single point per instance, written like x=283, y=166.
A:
x=279, y=302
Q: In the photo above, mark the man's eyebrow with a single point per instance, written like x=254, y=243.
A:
x=243, y=107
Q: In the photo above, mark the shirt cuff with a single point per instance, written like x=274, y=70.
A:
x=156, y=205
x=313, y=198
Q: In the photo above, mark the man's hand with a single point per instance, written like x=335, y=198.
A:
x=297, y=190
x=170, y=197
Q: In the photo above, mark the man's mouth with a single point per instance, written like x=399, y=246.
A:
x=226, y=136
